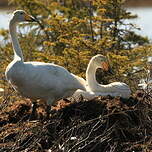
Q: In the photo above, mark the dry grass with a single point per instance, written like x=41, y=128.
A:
x=104, y=124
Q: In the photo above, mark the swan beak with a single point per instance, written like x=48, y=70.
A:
x=111, y=71
x=105, y=66
x=29, y=18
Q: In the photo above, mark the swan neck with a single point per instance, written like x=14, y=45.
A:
x=91, y=76
x=16, y=47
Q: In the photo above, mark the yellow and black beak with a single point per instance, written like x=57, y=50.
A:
x=29, y=18
x=105, y=66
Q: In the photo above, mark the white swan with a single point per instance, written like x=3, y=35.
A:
x=38, y=80
x=94, y=88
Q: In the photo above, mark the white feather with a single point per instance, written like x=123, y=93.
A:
x=38, y=80
x=95, y=89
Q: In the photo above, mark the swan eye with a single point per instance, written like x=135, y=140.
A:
x=21, y=13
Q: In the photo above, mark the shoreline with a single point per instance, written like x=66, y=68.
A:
x=4, y=4
x=138, y=3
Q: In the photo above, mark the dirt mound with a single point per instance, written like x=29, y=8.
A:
x=102, y=124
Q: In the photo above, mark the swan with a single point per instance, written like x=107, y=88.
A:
x=94, y=88
x=46, y=82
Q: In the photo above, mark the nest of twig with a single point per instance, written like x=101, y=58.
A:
x=102, y=124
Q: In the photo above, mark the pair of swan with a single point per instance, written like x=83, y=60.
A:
x=37, y=80
x=94, y=88
x=49, y=82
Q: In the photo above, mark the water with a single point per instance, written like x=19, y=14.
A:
x=143, y=21
x=5, y=16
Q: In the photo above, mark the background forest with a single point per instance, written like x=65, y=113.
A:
x=70, y=32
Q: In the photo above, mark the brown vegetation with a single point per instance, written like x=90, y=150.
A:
x=103, y=124
x=138, y=3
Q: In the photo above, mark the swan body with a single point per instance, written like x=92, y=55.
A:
x=95, y=89
x=115, y=89
x=89, y=95
x=38, y=80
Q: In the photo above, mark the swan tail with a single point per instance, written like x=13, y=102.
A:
x=81, y=81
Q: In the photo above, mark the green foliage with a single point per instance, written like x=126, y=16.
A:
x=70, y=32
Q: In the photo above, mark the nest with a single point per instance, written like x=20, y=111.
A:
x=102, y=124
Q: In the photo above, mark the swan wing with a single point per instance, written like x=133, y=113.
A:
x=82, y=81
x=44, y=80
x=120, y=85
x=114, y=89
x=120, y=89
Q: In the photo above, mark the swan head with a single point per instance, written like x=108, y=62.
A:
x=22, y=16
x=101, y=61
